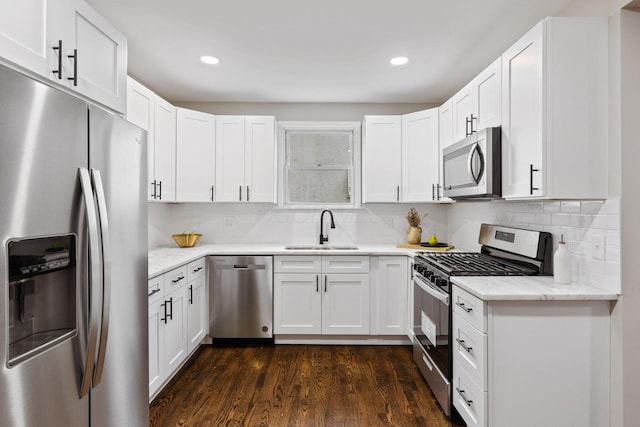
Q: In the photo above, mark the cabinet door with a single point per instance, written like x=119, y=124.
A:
x=156, y=346
x=101, y=61
x=345, y=304
x=488, y=91
x=197, y=312
x=381, y=161
x=420, y=156
x=230, y=152
x=522, y=125
x=195, y=156
x=141, y=112
x=175, y=330
x=165, y=150
x=297, y=304
x=260, y=159
x=29, y=29
x=390, y=305
x=463, y=105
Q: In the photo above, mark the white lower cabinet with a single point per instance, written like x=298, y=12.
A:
x=326, y=295
x=530, y=363
x=197, y=304
x=177, y=320
x=389, y=295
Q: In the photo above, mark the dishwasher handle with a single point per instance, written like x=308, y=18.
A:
x=240, y=267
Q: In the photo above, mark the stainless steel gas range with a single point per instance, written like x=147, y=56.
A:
x=505, y=251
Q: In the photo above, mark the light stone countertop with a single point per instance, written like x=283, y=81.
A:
x=162, y=260
x=500, y=288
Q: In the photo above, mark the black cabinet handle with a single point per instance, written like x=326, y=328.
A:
x=247, y=193
x=239, y=193
x=317, y=287
x=466, y=126
x=191, y=294
x=471, y=123
x=75, y=67
x=153, y=292
x=212, y=195
x=154, y=195
x=171, y=304
x=531, y=187
x=465, y=308
x=433, y=191
x=325, y=283
x=438, y=187
x=464, y=397
x=177, y=279
x=164, y=306
x=463, y=345
x=397, y=193
x=59, y=70
x=160, y=191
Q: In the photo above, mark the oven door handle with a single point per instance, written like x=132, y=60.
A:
x=437, y=294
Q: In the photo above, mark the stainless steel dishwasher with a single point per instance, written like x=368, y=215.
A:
x=241, y=298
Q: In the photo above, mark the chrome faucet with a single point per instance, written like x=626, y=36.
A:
x=333, y=225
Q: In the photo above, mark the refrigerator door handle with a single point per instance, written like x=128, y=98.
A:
x=94, y=280
x=106, y=273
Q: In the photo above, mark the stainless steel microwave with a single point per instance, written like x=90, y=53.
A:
x=472, y=167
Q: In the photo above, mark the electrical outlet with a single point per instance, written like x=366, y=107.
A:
x=598, y=246
x=227, y=221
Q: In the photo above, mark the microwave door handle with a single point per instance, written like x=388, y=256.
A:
x=475, y=151
x=440, y=296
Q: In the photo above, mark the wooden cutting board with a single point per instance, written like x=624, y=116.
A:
x=425, y=248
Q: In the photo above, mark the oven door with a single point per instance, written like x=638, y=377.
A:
x=431, y=348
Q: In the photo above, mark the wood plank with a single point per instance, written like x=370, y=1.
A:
x=298, y=385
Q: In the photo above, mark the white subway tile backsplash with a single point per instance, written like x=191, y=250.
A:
x=561, y=220
x=536, y=207
x=543, y=219
x=551, y=207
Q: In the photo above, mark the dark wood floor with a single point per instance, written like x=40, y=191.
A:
x=298, y=385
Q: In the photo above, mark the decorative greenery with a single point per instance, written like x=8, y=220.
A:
x=414, y=218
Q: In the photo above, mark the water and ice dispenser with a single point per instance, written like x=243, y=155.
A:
x=42, y=294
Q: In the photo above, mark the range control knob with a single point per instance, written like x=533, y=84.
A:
x=440, y=282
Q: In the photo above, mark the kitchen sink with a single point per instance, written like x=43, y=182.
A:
x=319, y=248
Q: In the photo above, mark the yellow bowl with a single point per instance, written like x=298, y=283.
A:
x=187, y=240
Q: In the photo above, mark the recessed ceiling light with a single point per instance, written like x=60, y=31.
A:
x=399, y=60
x=211, y=60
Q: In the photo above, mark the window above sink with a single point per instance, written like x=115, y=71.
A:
x=319, y=164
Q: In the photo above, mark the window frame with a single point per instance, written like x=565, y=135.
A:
x=341, y=126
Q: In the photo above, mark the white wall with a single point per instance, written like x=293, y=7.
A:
x=630, y=206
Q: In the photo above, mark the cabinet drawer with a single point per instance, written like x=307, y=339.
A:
x=297, y=264
x=345, y=264
x=470, y=350
x=156, y=289
x=469, y=400
x=175, y=279
x=470, y=308
x=196, y=269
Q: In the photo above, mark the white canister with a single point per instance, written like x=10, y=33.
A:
x=562, y=263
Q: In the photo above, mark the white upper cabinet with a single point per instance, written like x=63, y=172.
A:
x=478, y=104
x=260, y=159
x=195, y=156
x=245, y=159
x=420, y=156
x=68, y=43
x=554, y=104
x=29, y=30
x=164, y=151
x=401, y=158
x=98, y=68
x=158, y=117
x=381, y=159
x=141, y=112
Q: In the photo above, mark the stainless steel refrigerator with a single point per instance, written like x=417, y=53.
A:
x=73, y=261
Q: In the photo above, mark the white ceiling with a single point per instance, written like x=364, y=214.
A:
x=317, y=50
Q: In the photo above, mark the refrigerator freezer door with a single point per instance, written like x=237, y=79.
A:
x=43, y=143
x=118, y=154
